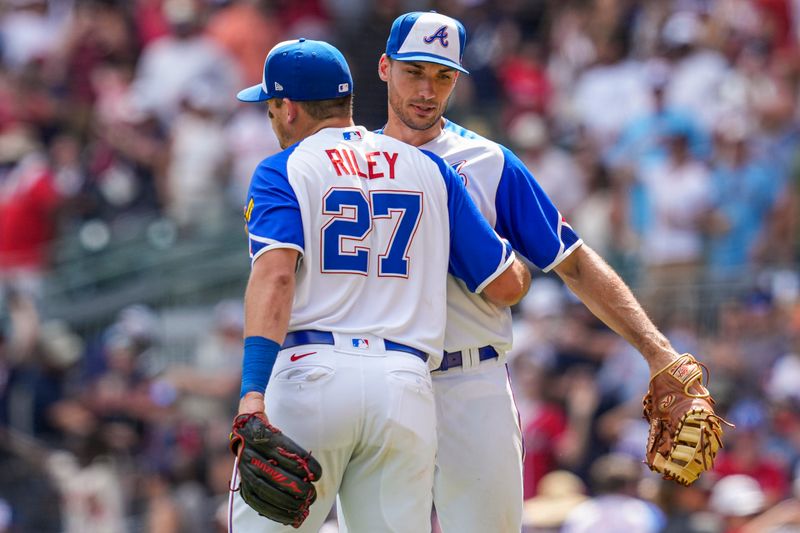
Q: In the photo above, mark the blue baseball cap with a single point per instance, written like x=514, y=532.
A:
x=427, y=36
x=302, y=70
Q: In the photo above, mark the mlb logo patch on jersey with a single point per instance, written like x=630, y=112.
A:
x=354, y=135
x=361, y=343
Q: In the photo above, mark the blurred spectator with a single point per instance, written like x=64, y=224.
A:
x=209, y=384
x=611, y=93
x=89, y=485
x=524, y=81
x=126, y=159
x=29, y=201
x=25, y=485
x=307, y=18
x=641, y=140
x=745, y=453
x=558, y=173
x=98, y=34
x=170, y=65
x=743, y=195
x=363, y=46
x=161, y=513
x=736, y=499
x=697, y=70
x=615, y=506
x=29, y=32
x=39, y=383
x=686, y=508
x=678, y=190
x=543, y=421
x=782, y=518
x=560, y=493
x=124, y=392
x=599, y=217
x=571, y=51
x=249, y=140
x=246, y=29
x=536, y=329
x=197, y=161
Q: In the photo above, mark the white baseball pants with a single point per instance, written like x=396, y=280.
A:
x=478, y=482
x=368, y=416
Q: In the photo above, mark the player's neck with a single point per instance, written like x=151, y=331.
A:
x=396, y=129
x=313, y=127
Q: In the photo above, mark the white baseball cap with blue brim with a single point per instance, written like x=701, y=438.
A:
x=302, y=70
x=427, y=36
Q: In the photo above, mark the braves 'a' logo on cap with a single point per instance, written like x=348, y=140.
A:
x=440, y=34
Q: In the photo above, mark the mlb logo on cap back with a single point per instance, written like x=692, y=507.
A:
x=302, y=70
x=430, y=37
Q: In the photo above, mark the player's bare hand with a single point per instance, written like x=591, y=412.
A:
x=252, y=402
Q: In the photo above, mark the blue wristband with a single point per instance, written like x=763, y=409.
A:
x=260, y=354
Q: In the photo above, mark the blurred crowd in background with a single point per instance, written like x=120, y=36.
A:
x=666, y=131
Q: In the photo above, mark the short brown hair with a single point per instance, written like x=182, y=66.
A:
x=341, y=107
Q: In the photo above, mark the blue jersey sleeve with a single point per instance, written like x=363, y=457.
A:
x=477, y=254
x=272, y=211
x=528, y=218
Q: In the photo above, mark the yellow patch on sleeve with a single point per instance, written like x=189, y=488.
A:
x=248, y=210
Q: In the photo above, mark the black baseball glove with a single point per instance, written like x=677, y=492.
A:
x=276, y=473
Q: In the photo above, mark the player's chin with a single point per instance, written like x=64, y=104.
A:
x=422, y=123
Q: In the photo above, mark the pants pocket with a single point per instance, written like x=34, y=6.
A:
x=411, y=409
x=298, y=403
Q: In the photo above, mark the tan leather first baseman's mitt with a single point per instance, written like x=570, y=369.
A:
x=685, y=433
x=276, y=473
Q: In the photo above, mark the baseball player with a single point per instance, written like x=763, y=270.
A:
x=478, y=481
x=351, y=234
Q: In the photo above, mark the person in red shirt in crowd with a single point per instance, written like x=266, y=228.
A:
x=543, y=422
x=28, y=203
x=524, y=81
x=746, y=454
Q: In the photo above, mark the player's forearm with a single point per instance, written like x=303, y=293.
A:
x=610, y=299
x=267, y=306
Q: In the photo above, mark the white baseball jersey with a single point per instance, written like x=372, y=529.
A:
x=516, y=206
x=372, y=218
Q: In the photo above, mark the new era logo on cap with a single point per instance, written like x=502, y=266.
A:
x=430, y=37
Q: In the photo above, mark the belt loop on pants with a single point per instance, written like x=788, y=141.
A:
x=312, y=336
x=456, y=359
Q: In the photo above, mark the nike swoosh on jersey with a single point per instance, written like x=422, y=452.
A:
x=296, y=357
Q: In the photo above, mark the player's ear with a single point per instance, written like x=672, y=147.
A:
x=292, y=109
x=383, y=67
